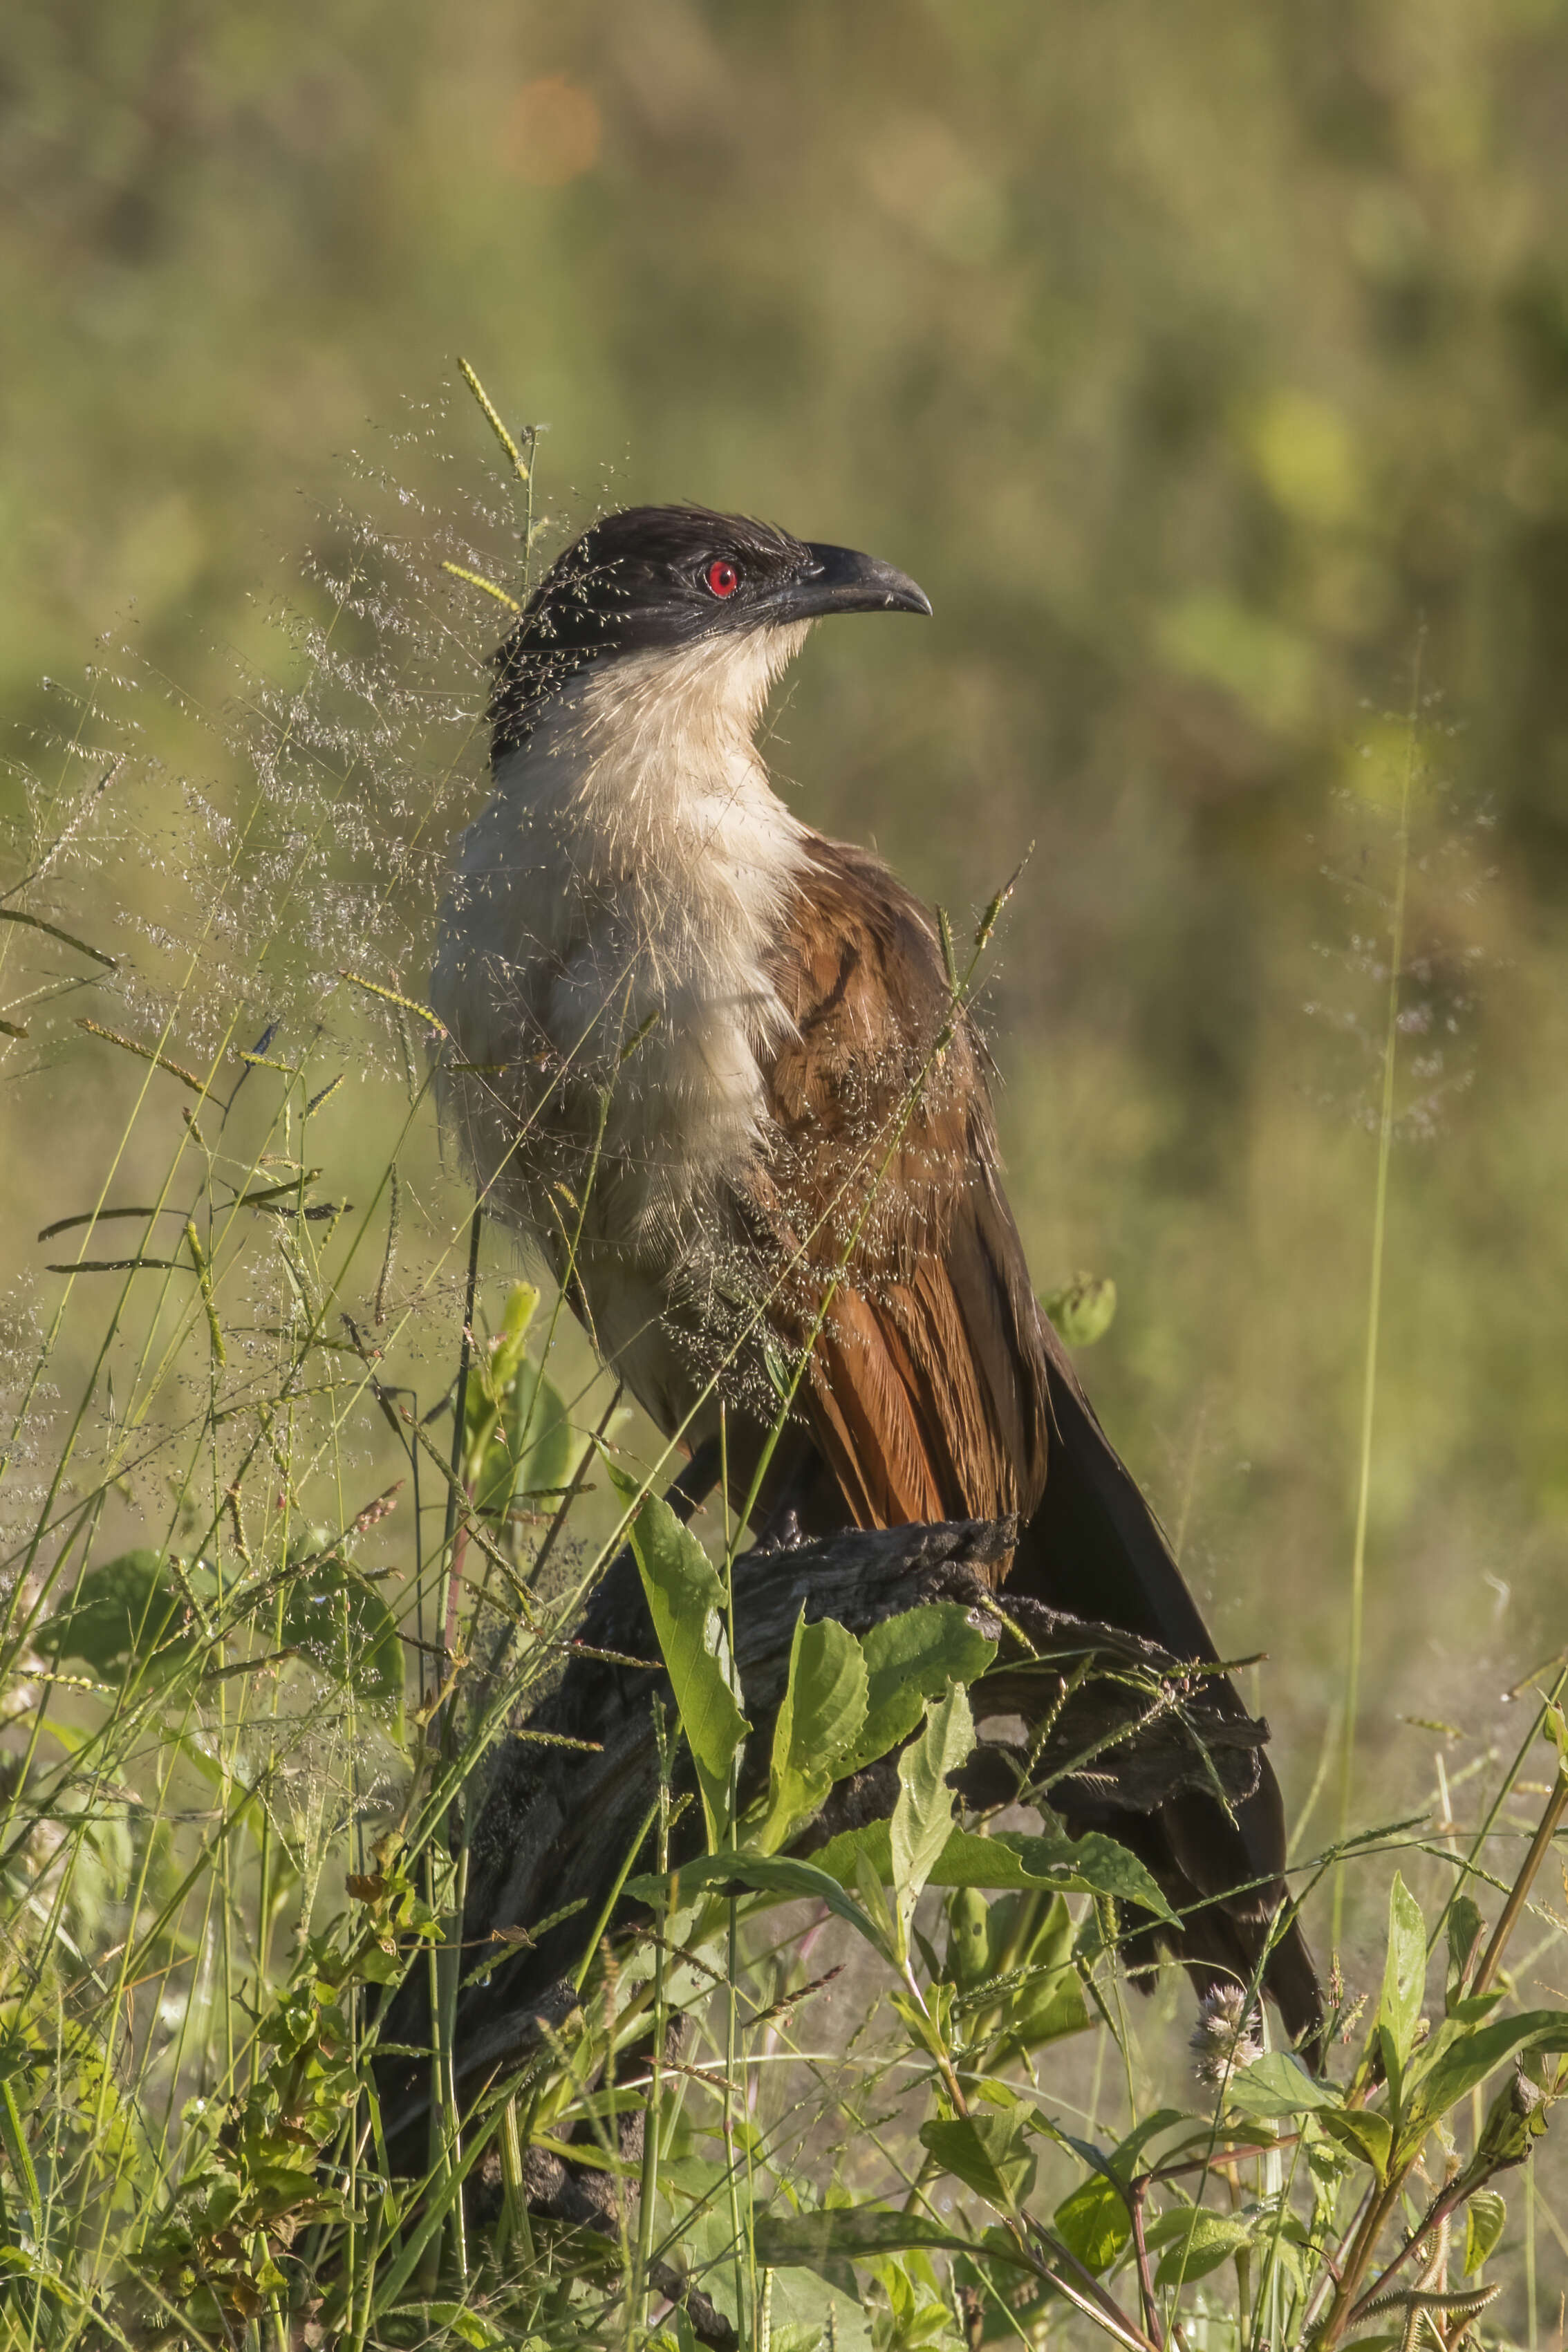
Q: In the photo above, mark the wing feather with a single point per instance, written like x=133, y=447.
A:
x=925, y=1385
x=935, y=1387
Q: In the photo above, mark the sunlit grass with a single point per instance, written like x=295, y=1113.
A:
x=309, y=1494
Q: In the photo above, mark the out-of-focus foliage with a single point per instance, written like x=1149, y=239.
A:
x=1197, y=361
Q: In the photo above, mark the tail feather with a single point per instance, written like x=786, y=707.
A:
x=1095, y=1548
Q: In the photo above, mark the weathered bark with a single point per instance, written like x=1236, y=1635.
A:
x=1113, y=1724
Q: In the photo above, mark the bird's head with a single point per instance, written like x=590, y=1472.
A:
x=666, y=579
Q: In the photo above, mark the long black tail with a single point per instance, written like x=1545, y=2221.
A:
x=1094, y=1547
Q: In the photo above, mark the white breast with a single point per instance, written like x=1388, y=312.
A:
x=626, y=880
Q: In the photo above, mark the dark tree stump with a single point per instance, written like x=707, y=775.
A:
x=1125, y=1726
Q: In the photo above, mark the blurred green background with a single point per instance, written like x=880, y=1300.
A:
x=1203, y=363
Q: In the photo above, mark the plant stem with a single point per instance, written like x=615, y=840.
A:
x=1375, y=1292
x=446, y=1958
x=637, y=2301
x=1519, y=1895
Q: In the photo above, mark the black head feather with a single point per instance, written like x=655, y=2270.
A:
x=639, y=580
x=664, y=577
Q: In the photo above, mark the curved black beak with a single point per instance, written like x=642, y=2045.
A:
x=837, y=579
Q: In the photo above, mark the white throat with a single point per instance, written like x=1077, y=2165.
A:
x=632, y=871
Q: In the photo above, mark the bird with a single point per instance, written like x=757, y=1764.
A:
x=715, y=1067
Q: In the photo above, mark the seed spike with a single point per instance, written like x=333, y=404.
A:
x=988, y=921
x=478, y=579
x=96, y=1217
x=143, y=1053
x=390, y=996
x=493, y=418
x=641, y=1031
x=36, y=923
x=950, y=961
x=204, y=1282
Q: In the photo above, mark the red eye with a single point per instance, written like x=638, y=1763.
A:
x=721, y=578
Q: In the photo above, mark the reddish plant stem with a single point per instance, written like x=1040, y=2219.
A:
x=1137, y=2190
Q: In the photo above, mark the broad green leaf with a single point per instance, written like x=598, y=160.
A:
x=928, y=2024
x=968, y=1938
x=989, y=2151
x=1196, y=2242
x=775, y=1874
x=342, y=1628
x=1049, y=2005
x=518, y=1438
x=823, y=1709
x=1094, y=2223
x=910, y=1659
x=1404, y=1973
x=1486, y=2217
x=531, y=1448
x=1473, y=2008
x=1464, y=1932
x=459, y=2319
x=508, y=1354
x=922, y=1818
x=1363, y=2131
x=869, y=1884
x=1124, y=2156
x=540, y=1433
x=861, y=2233
x=684, y=1600
x=130, y=1610
x=1096, y=1864
x=1091, y=1864
x=1460, y=2060
x=1277, y=2085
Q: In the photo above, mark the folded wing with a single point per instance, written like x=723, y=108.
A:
x=936, y=1389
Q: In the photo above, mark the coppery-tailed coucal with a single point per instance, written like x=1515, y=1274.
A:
x=722, y=1082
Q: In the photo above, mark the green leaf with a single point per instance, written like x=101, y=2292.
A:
x=1364, y=2132
x=968, y=1938
x=342, y=1628
x=124, y=1615
x=684, y=1600
x=869, y=1884
x=910, y=1659
x=128, y=1612
x=1277, y=2085
x=988, y=2151
x=1094, y=2223
x=928, y=2024
x=1049, y=2002
x=1196, y=2242
x=1404, y=1974
x=1463, y=1930
x=922, y=1818
x=1459, y=2060
x=860, y=2234
x=1092, y=1864
x=1486, y=2217
x=1083, y=1309
x=823, y=1709
x=777, y=1875
x=1096, y=1864
x=469, y=2326
x=519, y=1438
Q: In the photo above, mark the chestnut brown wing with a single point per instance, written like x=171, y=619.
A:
x=890, y=1240
x=935, y=1388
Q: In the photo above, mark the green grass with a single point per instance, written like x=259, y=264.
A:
x=302, y=1491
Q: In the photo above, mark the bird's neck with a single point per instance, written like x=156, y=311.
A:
x=645, y=776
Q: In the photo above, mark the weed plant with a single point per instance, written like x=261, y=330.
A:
x=303, y=1494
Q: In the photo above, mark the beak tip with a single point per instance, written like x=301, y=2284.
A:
x=844, y=581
